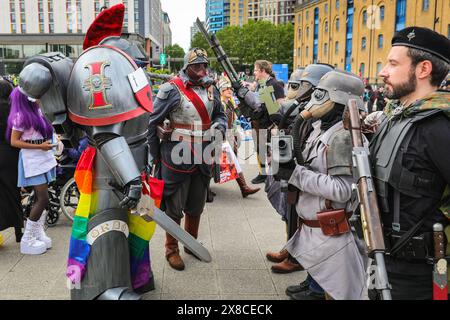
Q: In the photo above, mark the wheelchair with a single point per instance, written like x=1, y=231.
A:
x=63, y=194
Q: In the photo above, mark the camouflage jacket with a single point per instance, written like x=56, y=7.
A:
x=435, y=100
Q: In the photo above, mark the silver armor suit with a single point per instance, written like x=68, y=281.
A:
x=105, y=94
x=102, y=98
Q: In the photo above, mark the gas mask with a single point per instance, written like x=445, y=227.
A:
x=299, y=91
x=320, y=104
x=198, y=75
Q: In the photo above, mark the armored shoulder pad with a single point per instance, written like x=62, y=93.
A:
x=339, y=154
x=164, y=91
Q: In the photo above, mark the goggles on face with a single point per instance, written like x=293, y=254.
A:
x=294, y=86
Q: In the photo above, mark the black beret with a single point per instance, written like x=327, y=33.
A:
x=424, y=39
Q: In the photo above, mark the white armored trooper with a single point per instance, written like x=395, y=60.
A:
x=323, y=175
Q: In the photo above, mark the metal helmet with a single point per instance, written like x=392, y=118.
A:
x=35, y=80
x=314, y=72
x=195, y=56
x=106, y=87
x=132, y=48
x=296, y=76
x=337, y=86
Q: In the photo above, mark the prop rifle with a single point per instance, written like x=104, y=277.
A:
x=370, y=213
x=222, y=58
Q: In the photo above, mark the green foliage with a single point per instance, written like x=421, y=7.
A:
x=254, y=41
x=158, y=71
x=175, y=51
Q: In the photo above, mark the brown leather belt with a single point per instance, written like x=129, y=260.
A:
x=309, y=223
x=202, y=127
x=315, y=223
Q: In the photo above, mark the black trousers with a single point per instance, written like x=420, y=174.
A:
x=410, y=280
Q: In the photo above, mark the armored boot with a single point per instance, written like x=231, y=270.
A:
x=277, y=256
x=191, y=225
x=288, y=265
x=119, y=293
x=245, y=189
x=172, y=251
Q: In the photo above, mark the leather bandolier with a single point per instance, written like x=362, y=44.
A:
x=186, y=126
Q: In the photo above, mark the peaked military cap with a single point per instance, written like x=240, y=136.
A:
x=424, y=39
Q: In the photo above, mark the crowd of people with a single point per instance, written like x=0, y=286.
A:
x=309, y=183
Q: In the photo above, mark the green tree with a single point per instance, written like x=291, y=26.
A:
x=175, y=51
x=253, y=41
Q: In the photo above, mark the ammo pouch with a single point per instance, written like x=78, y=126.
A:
x=333, y=222
x=419, y=247
x=164, y=132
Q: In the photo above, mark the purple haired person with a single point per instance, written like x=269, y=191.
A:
x=32, y=133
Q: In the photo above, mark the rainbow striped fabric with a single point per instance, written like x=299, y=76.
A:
x=140, y=231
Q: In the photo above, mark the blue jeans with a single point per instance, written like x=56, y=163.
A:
x=314, y=286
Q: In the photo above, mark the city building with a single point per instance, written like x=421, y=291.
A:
x=221, y=13
x=167, y=38
x=238, y=12
x=276, y=11
x=195, y=30
x=28, y=27
x=355, y=35
x=215, y=14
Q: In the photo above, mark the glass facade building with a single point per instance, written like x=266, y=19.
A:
x=216, y=13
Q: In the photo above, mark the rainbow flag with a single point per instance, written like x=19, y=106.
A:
x=140, y=231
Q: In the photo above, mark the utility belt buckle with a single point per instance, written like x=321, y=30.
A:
x=396, y=226
x=187, y=135
x=417, y=248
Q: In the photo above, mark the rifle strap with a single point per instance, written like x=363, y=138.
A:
x=408, y=235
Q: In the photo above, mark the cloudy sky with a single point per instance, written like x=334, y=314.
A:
x=182, y=14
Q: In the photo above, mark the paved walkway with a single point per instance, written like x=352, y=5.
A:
x=237, y=232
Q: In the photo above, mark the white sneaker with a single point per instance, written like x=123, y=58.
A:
x=40, y=233
x=29, y=244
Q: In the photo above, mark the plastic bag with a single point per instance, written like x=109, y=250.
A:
x=229, y=166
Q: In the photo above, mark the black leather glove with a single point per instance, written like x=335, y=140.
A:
x=241, y=92
x=237, y=85
x=132, y=193
x=285, y=171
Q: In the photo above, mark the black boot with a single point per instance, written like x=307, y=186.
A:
x=260, y=178
x=303, y=286
x=308, y=295
x=19, y=234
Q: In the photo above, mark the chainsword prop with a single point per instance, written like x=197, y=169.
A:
x=148, y=211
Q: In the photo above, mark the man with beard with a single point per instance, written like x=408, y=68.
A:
x=191, y=110
x=410, y=158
